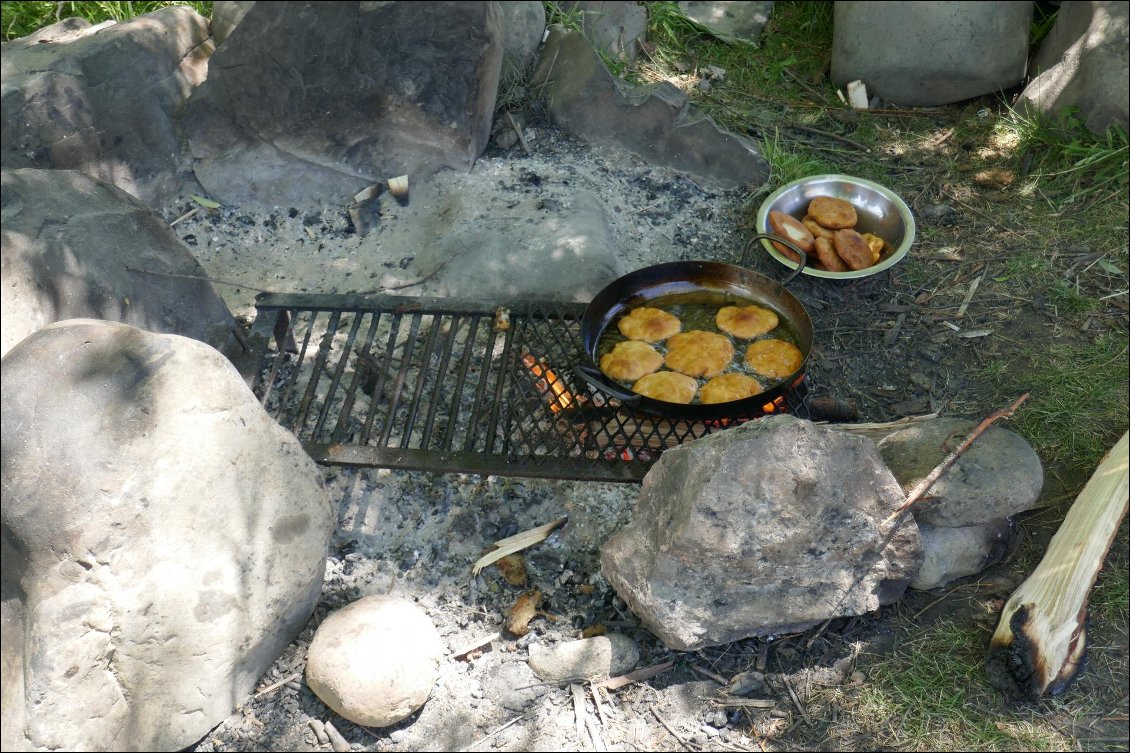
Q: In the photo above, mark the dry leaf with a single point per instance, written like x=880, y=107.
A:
x=513, y=569
x=524, y=610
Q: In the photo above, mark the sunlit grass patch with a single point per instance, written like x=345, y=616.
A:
x=18, y=19
x=931, y=693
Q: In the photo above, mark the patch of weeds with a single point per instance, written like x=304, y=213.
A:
x=932, y=694
x=1110, y=599
x=1064, y=162
x=570, y=18
x=18, y=19
x=1078, y=403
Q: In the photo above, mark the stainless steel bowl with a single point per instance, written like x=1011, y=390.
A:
x=880, y=212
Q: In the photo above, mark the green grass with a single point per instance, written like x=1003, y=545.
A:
x=1078, y=404
x=931, y=693
x=18, y=19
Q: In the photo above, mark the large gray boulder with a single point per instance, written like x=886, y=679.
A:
x=1084, y=62
x=768, y=528
x=163, y=539
x=923, y=54
x=309, y=103
x=657, y=123
x=105, y=100
x=76, y=248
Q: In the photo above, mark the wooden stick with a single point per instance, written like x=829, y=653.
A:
x=516, y=543
x=197, y=277
x=666, y=726
x=640, y=674
x=518, y=131
x=278, y=684
x=924, y=485
x=510, y=723
x=1040, y=642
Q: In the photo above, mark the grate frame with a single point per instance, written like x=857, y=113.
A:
x=432, y=384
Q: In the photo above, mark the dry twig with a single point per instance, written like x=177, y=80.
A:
x=917, y=492
x=612, y=683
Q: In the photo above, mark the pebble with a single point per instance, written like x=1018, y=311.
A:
x=337, y=742
x=319, y=731
x=398, y=735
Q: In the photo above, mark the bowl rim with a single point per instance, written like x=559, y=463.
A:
x=900, y=252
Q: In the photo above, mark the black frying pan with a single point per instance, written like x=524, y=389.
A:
x=647, y=284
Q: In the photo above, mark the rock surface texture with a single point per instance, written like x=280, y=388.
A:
x=586, y=659
x=999, y=475
x=1084, y=62
x=311, y=103
x=77, y=248
x=952, y=553
x=163, y=539
x=375, y=661
x=769, y=528
x=105, y=100
x=922, y=54
x=657, y=123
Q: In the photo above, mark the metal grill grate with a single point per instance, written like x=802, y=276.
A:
x=439, y=385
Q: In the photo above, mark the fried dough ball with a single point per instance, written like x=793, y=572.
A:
x=876, y=244
x=727, y=387
x=668, y=386
x=827, y=255
x=630, y=360
x=649, y=324
x=817, y=230
x=746, y=322
x=790, y=228
x=853, y=249
x=699, y=353
x=832, y=213
x=774, y=358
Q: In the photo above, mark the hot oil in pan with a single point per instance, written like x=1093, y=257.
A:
x=698, y=311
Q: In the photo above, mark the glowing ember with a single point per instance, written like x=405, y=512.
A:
x=548, y=380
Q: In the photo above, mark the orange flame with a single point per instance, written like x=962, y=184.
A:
x=562, y=398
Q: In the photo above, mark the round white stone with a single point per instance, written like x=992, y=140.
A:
x=375, y=661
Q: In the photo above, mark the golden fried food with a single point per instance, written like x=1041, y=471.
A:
x=876, y=244
x=727, y=387
x=774, y=358
x=791, y=229
x=668, y=386
x=699, y=353
x=853, y=249
x=746, y=322
x=828, y=257
x=630, y=360
x=817, y=230
x=832, y=213
x=649, y=324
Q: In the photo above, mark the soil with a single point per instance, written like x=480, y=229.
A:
x=888, y=342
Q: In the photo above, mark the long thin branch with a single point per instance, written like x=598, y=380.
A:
x=924, y=485
x=197, y=277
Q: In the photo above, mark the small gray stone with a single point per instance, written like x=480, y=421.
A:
x=729, y=20
x=587, y=659
x=375, y=661
x=952, y=553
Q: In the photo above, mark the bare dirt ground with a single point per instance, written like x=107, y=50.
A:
x=888, y=342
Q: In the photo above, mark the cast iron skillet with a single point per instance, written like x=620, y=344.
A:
x=644, y=285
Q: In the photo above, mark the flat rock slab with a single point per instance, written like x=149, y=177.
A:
x=105, y=100
x=768, y=528
x=75, y=247
x=729, y=20
x=657, y=123
x=308, y=104
x=999, y=475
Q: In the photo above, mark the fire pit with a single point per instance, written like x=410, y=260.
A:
x=450, y=385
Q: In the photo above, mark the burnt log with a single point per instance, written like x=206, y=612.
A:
x=1039, y=646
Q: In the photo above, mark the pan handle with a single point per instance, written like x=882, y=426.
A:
x=595, y=379
x=779, y=239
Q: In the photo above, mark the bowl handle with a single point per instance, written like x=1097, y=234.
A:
x=779, y=239
x=595, y=379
